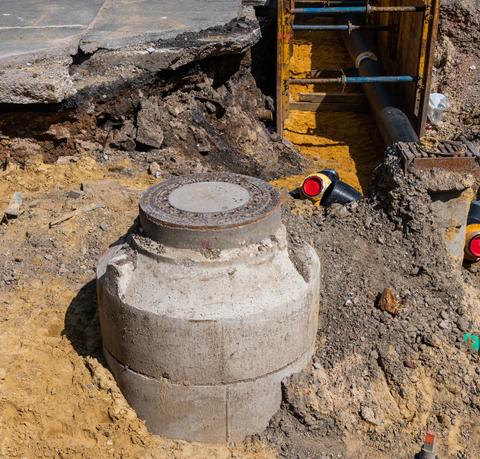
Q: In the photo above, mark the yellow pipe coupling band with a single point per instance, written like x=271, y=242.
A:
x=313, y=187
x=472, y=243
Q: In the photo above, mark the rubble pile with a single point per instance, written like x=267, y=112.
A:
x=391, y=361
x=205, y=118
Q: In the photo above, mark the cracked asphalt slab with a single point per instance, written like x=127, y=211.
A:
x=40, y=40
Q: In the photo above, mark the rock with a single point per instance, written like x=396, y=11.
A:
x=103, y=225
x=287, y=143
x=149, y=131
x=154, y=167
x=409, y=364
x=460, y=311
x=432, y=340
x=445, y=419
x=473, y=269
x=389, y=303
x=14, y=205
x=463, y=324
x=444, y=315
x=368, y=415
x=62, y=160
x=73, y=194
x=374, y=355
x=120, y=140
x=384, y=318
x=48, y=257
x=413, y=378
x=204, y=148
x=58, y=131
x=443, y=324
x=343, y=212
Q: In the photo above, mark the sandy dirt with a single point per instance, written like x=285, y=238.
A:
x=350, y=143
x=57, y=398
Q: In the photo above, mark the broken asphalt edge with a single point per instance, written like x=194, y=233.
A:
x=44, y=77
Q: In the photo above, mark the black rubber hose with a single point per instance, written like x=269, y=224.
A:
x=393, y=124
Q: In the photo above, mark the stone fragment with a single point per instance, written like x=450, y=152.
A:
x=149, y=131
x=59, y=131
x=443, y=324
x=62, y=160
x=103, y=225
x=432, y=340
x=287, y=143
x=368, y=415
x=463, y=324
x=409, y=364
x=14, y=205
x=74, y=194
x=389, y=303
x=154, y=167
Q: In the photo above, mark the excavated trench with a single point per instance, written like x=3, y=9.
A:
x=378, y=380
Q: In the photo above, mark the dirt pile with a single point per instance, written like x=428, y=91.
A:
x=380, y=380
x=457, y=63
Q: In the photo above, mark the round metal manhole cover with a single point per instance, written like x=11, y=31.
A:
x=208, y=197
x=209, y=201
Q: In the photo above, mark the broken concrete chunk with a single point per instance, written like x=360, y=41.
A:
x=149, y=131
x=14, y=205
x=59, y=131
x=73, y=194
x=62, y=160
x=101, y=185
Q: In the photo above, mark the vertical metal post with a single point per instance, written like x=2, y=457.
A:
x=284, y=52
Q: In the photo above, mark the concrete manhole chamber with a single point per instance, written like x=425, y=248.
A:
x=202, y=311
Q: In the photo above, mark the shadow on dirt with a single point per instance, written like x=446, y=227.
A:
x=82, y=324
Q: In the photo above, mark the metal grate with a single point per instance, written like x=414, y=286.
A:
x=415, y=158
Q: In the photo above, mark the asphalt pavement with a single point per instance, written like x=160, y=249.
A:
x=33, y=29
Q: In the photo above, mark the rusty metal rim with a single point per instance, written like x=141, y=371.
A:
x=266, y=201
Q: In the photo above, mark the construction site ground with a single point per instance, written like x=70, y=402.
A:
x=378, y=381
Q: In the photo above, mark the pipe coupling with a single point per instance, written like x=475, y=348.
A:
x=365, y=55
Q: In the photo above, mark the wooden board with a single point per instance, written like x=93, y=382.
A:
x=330, y=97
x=329, y=107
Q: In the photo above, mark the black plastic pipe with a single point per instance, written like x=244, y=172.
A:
x=393, y=124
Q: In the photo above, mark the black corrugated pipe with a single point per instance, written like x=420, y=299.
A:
x=393, y=123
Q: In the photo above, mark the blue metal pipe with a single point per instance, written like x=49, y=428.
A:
x=341, y=27
x=357, y=9
x=355, y=80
